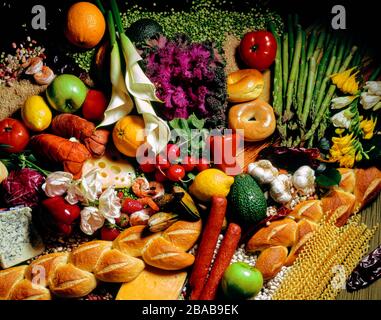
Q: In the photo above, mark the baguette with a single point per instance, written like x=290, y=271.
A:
x=281, y=242
x=76, y=274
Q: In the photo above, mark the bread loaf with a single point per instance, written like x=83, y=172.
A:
x=280, y=242
x=75, y=274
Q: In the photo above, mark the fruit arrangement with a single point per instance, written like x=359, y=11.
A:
x=180, y=170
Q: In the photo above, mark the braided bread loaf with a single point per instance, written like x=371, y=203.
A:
x=280, y=242
x=75, y=274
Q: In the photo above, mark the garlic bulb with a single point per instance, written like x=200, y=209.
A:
x=263, y=171
x=280, y=189
x=304, y=180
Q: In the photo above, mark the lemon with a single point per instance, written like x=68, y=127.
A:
x=211, y=182
x=36, y=114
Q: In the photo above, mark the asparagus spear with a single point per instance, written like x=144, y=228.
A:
x=312, y=43
x=302, y=70
x=291, y=38
x=277, y=89
x=328, y=97
x=294, y=69
x=285, y=63
x=310, y=87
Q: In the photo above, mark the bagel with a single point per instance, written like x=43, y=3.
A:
x=256, y=118
x=244, y=85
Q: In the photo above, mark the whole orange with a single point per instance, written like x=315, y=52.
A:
x=128, y=135
x=85, y=25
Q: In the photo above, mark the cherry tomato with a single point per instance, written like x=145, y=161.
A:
x=131, y=205
x=65, y=229
x=160, y=176
x=176, y=172
x=148, y=166
x=162, y=162
x=189, y=163
x=173, y=152
x=202, y=164
x=224, y=148
x=109, y=234
x=14, y=134
x=122, y=221
x=94, y=106
x=258, y=49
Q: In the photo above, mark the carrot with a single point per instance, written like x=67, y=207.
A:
x=70, y=154
x=69, y=125
x=207, y=245
x=225, y=253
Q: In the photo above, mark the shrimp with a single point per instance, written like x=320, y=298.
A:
x=44, y=76
x=142, y=188
x=149, y=202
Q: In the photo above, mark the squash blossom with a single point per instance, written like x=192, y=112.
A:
x=346, y=81
x=367, y=126
x=341, y=102
x=345, y=150
x=343, y=119
x=369, y=101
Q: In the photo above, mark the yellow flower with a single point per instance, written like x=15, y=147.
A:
x=367, y=126
x=346, y=82
x=344, y=150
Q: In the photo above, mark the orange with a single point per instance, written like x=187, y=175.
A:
x=128, y=135
x=85, y=25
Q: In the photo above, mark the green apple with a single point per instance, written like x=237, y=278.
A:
x=241, y=281
x=66, y=93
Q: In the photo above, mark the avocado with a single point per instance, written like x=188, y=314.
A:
x=143, y=29
x=247, y=199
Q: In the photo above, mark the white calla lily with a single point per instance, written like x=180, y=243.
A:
x=91, y=220
x=341, y=102
x=373, y=87
x=57, y=183
x=109, y=205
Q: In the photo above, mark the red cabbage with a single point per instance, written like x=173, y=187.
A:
x=22, y=187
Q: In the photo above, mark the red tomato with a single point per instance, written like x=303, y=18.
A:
x=148, y=166
x=14, y=134
x=94, y=106
x=224, y=148
x=65, y=229
x=176, y=172
x=131, y=205
x=231, y=170
x=122, y=221
x=160, y=176
x=189, y=163
x=109, y=234
x=173, y=152
x=162, y=162
x=258, y=49
x=202, y=164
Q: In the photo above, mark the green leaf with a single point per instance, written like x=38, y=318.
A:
x=330, y=177
x=175, y=123
x=196, y=122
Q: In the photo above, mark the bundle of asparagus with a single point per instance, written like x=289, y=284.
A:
x=302, y=89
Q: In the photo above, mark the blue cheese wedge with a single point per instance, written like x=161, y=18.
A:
x=19, y=241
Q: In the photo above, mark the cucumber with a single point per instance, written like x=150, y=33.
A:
x=247, y=200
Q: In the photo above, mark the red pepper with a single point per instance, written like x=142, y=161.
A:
x=61, y=211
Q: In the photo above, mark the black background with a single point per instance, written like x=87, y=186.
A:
x=363, y=16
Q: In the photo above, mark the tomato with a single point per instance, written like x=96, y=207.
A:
x=94, y=106
x=65, y=229
x=202, y=164
x=173, y=152
x=122, y=221
x=224, y=148
x=14, y=134
x=109, y=234
x=160, y=176
x=189, y=163
x=148, y=166
x=258, y=49
x=162, y=162
x=231, y=169
x=131, y=205
x=176, y=172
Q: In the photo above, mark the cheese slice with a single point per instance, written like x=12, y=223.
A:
x=153, y=284
x=114, y=170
